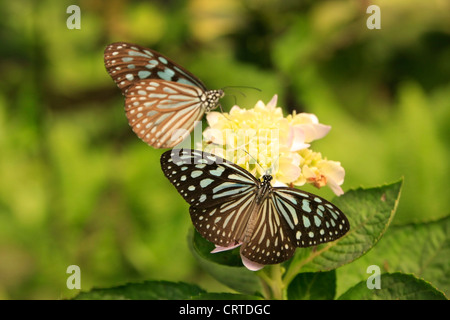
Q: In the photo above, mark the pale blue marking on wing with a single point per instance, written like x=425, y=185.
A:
x=149, y=53
x=186, y=81
x=144, y=74
x=196, y=173
x=317, y=221
x=226, y=185
x=163, y=60
x=167, y=74
x=230, y=192
x=280, y=208
x=306, y=222
x=137, y=53
x=223, y=190
x=218, y=171
x=206, y=182
x=305, y=205
x=333, y=214
x=151, y=64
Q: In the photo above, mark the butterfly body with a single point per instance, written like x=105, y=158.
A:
x=229, y=206
x=163, y=100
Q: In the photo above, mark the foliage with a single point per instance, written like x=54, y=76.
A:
x=370, y=212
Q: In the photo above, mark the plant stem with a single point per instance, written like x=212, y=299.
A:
x=273, y=279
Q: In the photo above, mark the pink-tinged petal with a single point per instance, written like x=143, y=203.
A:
x=296, y=139
x=287, y=171
x=335, y=188
x=335, y=175
x=304, y=118
x=251, y=265
x=308, y=173
x=273, y=102
x=333, y=170
x=229, y=247
x=314, y=131
x=318, y=181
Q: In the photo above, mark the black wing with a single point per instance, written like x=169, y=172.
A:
x=221, y=194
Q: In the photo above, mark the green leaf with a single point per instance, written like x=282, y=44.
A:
x=148, y=290
x=369, y=212
x=421, y=249
x=313, y=286
x=395, y=286
x=203, y=247
x=224, y=266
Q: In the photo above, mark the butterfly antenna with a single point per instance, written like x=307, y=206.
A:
x=272, y=167
x=235, y=99
x=240, y=92
x=234, y=96
x=242, y=87
x=256, y=161
x=243, y=94
x=223, y=112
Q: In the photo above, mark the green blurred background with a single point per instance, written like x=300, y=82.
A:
x=78, y=187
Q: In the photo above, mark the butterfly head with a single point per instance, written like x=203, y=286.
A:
x=267, y=178
x=212, y=99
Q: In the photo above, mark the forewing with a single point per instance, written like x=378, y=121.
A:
x=127, y=63
x=163, y=113
x=220, y=193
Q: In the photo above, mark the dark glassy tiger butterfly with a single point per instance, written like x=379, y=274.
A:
x=163, y=100
x=229, y=206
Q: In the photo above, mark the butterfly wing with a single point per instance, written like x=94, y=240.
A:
x=128, y=63
x=270, y=239
x=290, y=218
x=311, y=219
x=163, y=113
x=229, y=206
x=221, y=194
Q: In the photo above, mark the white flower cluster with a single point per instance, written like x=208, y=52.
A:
x=262, y=138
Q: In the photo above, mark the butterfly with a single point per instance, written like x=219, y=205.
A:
x=163, y=101
x=229, y=206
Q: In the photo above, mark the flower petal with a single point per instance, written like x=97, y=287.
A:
x=335, y=188
x=314, y=131
x=287, y=171
x=213, y=117
x=273, y=102
x=229, y=247
x=296, y=139
x=251, y=265
x=213, y=135
x=335, y=174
